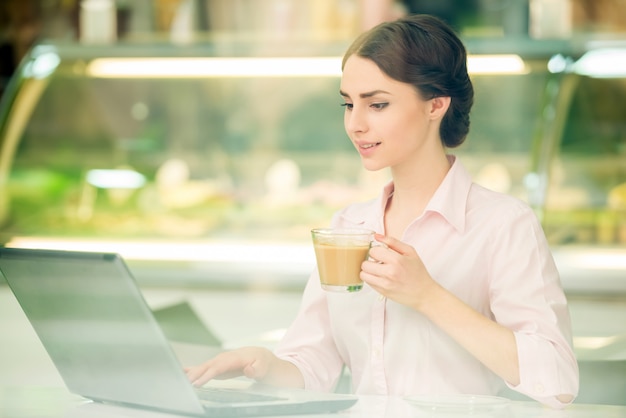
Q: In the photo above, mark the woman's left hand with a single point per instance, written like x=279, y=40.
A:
x=396, y=271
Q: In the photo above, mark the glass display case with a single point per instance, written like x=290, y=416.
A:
x=209, y=163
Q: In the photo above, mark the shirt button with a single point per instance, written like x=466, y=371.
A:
x=539, y=388
x=381, y=298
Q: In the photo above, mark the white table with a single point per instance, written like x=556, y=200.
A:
x=56, y=402
x=30, y=386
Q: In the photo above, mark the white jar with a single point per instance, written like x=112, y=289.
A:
x=98, y=21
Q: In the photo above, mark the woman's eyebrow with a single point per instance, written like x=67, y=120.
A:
x=365, y=95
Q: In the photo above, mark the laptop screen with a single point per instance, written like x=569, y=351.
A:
x=97, y=328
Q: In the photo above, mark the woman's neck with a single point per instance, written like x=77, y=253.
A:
x=414, y=186
x=420, y=180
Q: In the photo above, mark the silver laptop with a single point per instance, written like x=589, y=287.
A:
x=107, y=345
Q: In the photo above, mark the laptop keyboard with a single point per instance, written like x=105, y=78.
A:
x=232, y=396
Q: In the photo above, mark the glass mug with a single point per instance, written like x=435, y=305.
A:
x=339, y=253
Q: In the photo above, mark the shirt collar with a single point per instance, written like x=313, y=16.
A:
x=449, y=200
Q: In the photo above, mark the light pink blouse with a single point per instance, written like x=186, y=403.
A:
x=490, y=251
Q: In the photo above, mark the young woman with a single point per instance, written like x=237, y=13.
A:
x=464, y=297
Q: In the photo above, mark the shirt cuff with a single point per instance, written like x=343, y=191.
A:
x=545, y=371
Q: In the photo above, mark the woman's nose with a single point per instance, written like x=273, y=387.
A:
x=355, y=121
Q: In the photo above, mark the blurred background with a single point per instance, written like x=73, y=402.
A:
x=205, y=133
x=203, y=139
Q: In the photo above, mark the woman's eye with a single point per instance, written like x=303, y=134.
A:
x=379, y=106
x=347, y=105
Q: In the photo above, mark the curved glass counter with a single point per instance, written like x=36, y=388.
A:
x=210, y=163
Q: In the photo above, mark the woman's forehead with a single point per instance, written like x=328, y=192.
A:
x=358, y=70
x=361, y=75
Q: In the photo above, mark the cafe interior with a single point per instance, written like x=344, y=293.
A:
x=202, y=140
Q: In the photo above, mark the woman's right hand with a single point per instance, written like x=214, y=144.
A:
x=256, y=363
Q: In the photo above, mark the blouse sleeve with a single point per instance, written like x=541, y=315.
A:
x=308, y=343
x=527, y=297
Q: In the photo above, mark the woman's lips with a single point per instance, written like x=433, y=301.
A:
x=367, y=148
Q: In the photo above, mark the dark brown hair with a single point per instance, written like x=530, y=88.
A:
x=423, y=51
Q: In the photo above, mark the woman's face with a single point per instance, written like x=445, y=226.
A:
x=387, y=120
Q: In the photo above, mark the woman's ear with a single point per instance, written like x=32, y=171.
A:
x=439, y=106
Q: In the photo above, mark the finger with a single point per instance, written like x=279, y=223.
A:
x=375, y=266
x=196, y=375
x=381, y=253
x=199, y=375
x=378, y=254
x=220, y=367
x=376, y=281
x=394, y=244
